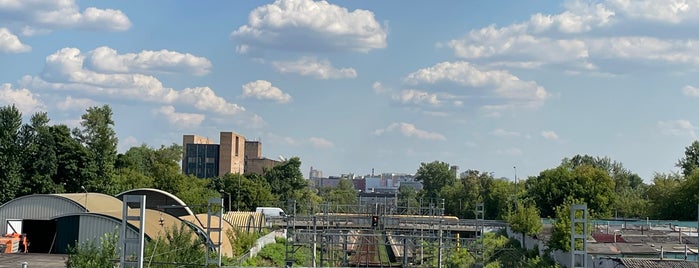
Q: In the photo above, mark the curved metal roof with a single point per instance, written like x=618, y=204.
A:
x=161, y=200
x=200, y=221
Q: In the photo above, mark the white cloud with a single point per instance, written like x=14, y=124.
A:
x=549, y=135
x=320, y=142
x=690, y=91
x=379, y=88
x=64, y=70
x=417, y=97
x=263, y=90
x=10, y=43
x=308, y=25
x=579, y=38
x=71, y=103
x=107, y=60
x=40, y=16
x=126, y=144
x=675, y=11
x=678, y=128
x=502, y=83
x=25, y=101
x=504, y=133
x=409, y=130
x=182, y=120
x=320, y=69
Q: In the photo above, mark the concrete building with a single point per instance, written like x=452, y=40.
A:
x=233, y=154
x=255, y=163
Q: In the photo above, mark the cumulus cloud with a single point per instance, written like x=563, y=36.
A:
x=65, y=70
x=10, y=43
x=320, y=69
x=579, y=37
x=678, y=128
x=409, y=130
x=320, y=142
x=503, y=84
x=307, y=25
x=263, y=90
x=504, y=133
x=107, y=60
x=690, y=91
x=25, y=101
x=70, y=103
x=41, y=16
x=417, y=97
x=182, y=120
x=549, y=135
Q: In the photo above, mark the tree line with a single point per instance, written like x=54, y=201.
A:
x=37, y=157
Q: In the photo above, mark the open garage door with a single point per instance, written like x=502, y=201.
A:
x=40, y=234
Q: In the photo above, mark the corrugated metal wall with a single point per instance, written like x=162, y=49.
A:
x=36, y=207
x=93, y=227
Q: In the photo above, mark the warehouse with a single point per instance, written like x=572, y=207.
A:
x=53, y=222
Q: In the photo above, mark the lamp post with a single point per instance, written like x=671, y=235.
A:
x=229, y=198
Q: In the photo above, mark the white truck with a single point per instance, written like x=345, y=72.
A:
x=271, y=212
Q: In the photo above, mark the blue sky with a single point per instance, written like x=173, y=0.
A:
x=351, y=86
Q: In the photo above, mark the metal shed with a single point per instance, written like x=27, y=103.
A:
x=161, y=200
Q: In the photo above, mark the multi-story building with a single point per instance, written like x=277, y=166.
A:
x=233, y=154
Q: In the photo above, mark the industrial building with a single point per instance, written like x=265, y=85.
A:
x=55, y=222
x=233, y=154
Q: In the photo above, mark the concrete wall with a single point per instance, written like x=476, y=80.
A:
x=232, y=153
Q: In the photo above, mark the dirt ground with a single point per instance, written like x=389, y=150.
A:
x=34, y=260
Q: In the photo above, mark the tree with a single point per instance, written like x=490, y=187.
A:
x=690, y=161
x=408, y=199
x=560, y=235
x=10, y=161
x=434, y=176
x=525, y=220
x=664, y=196
x=286, y=178
x=39, y=156
x=99, y=137
x=342, y=195
x=553, y=186
x=89, y=254
x=73, y=161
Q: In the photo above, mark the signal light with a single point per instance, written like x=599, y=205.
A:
x=374, y=221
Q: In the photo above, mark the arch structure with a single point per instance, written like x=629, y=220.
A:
x=160, y=200
x=53, y=222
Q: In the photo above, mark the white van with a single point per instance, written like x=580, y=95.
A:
x=271, y=212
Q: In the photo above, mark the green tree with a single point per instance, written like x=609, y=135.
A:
x=664, y=196
x=434, y=176
x=286, y=178
x=408, y=199
x=342, y=195
x=690, y=161
x=73, y=161
x=590, y=184
x=525, y=220
x=560, y=234
x=98, y=136
x=39, y=156
x=10, y=161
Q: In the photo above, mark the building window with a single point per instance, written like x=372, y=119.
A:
x=237, y=142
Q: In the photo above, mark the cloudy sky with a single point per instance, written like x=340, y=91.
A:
x=351, y=86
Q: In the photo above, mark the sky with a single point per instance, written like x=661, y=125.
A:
x=508, y=87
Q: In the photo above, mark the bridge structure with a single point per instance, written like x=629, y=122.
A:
x=380, y=235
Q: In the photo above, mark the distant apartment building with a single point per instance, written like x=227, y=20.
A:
x=205, y=159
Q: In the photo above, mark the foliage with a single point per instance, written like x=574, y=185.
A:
x=39, y=156
x=587, y=183
x=408, y=199
x=179, y=245
x=241, y=241
x=286, y=178
x=560, y=235
x=274, y=255
x=10, y=163
x=459, y=258
x=690, y=161
x=434, y=176
x=664, y=195
x=99, y=138
x=525, y=220
x=88, y=254
x=343, y=194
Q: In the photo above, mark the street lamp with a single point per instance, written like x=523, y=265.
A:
x=229, y=198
